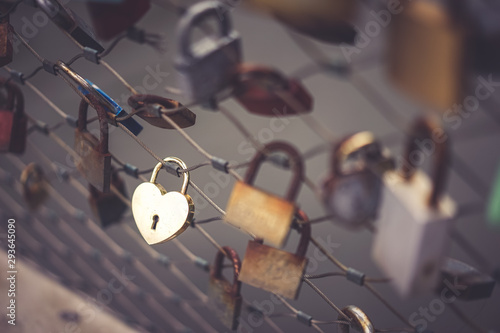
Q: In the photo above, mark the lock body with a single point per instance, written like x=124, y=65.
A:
x=206, y=67
x=13, y=121
x=265, y=92
x=493, y=212
x=111, y=19
x=273, y=270
x=150, y=111
x=6, y=50
x=426, y=56
x=227, y=306
x=108, y=208
x=412, y=238
x=34, y=185
x=263, y=214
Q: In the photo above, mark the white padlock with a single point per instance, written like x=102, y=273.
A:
x=415, y=217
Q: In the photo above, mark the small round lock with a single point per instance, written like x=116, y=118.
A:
x=34, y=183
x=160, y=215
x=359, y=321
x=351, y=193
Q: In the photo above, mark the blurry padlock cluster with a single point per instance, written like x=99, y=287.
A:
x=433, y=48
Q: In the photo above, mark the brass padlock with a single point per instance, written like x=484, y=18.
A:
x=108, y=208
x=111, y=19
x=265, y=215
x=35, y=186
x=359, y=321
x=426, y=54
x=274, y=270
x=6, y=50
x=266, y=92
x=13, y=120
x=326, y=20
x=351, y=193
x=415, y=215
x=224, y=297
x=464, y=282
x=148, y=107
x=95, y=159
x=160, y=215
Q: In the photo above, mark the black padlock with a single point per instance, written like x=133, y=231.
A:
x=13, y=120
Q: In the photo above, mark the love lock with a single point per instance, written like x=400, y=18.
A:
x=149, y=110
x=274, y=270
x=359, y=321
x=35, y=186
x=266, y=92
x=493, y=213
x=223, y=296
x=352, y=196
x=13, y=120
x=160, y=215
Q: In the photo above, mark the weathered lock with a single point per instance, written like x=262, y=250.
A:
x=266, y=92
x=459, y=280
x=351, y=193
x=207, y=67
x=111, y=19
x=148, y=107
x=326, y=20
x=13, y=120
x=493, y=213
x=265, y=215
x=95, y=159
x=274, y=270
x=160, y=215
x=425, y=55
x=359, y=321
x=34, y=185
x=70, y=23
x=109, y=208
x=6, y=50
x=223, y=296
x=415, y=217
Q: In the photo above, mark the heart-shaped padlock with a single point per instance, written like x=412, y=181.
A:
x=160, y=215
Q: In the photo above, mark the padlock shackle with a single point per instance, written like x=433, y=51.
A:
x=423, y=128
x=305, y=234
x=347, y=146
x=194, y=15
x=216, y=271
x=359, y=320
x=177, y=161
x=102, y=115
x=297, y=166
x=14, y=96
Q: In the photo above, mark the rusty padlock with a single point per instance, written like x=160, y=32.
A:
x=35, y=186
x=426, y=54
x=274, y=270
x=464, y=282
x=95, y=159
x=266, y=92
x=108, y=208
x=13, y=120
x=224, y=297
x=351, y=192
x=149, y=106
x=265, y=215
x=111, y=19
x=6, y=50
x=325, y=20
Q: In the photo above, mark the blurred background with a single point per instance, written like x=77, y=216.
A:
x=168, y=293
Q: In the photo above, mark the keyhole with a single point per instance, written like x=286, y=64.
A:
x=156, y=218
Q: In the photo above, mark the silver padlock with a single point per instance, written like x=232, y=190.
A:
x=206, y=67
x=351, y=192
x=415, y=216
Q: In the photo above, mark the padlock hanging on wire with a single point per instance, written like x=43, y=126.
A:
x=160, y=215
x=224, y=297
x=260, y=213
x=416, y=215
x=493, y=210
x=13, y=120
x=6, y=49
x=277, y=271
x=35, y=186
x=206, y=67
x=326, y=20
